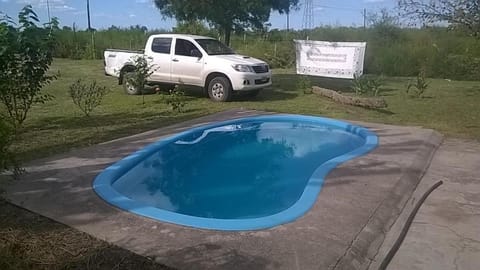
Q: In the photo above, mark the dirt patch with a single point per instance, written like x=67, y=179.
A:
x=30, y=241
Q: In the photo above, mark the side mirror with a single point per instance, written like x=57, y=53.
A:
x=196, y=53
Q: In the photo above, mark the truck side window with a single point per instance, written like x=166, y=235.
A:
x=185, y=48
x=161, y=45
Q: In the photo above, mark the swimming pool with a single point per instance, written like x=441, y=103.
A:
x=244, y=174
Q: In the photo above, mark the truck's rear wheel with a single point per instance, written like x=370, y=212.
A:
x=128, y=86
x=220, y=89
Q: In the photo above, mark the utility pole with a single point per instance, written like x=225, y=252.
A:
x=88, y=16
x=288, y=20
x=91, y=30
x=364, y=18
x=48, y=12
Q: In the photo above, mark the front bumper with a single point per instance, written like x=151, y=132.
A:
x=251, y=81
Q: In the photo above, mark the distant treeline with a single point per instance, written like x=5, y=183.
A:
x=391, y=50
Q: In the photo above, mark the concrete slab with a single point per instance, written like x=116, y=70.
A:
x=445, y=233
x=358, y=204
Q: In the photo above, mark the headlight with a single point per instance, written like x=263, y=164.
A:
x=243, y=68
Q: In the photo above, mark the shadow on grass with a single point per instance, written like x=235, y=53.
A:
x=284, y=87
x=267, y=94
x=271, y=93
x=288, y=82
x=383, y=111
x=104, y=128
x=387, y=91
x=30, y=241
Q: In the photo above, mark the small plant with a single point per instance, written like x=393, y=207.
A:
x=305, y=84
x=419, y=85
x=142, y=71
x=176, y=99
x=87, y=97
x=363, y=85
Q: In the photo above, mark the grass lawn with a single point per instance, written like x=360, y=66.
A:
x=29, y=241
x=450, y=107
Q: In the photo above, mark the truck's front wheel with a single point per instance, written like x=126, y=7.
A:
x=220, y=89
x=128, y=86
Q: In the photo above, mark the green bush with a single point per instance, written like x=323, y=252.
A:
x=417, y=87
x=142, y=70
x=367, y=85
x=87, y=97
x=175, y=99
x=26, y=52
x=304, y=84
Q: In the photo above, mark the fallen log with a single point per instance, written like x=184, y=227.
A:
x=366, y=102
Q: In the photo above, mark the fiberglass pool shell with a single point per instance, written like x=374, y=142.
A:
x=244, y=174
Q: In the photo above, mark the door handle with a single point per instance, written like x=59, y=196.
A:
x=175, y=60
x=150, y=57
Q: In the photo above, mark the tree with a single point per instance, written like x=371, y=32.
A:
x=138, y=77
x=228, y=15
x=195, y=27
x=7, y=158
x=385, y=26
x=459, y=14
x=26, y=52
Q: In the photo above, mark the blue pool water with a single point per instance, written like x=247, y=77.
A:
x=244, y=174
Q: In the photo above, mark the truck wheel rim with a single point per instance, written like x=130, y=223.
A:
x=218, y=91
x=130, y=87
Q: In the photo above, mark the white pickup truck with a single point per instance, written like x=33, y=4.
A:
x=192, y=60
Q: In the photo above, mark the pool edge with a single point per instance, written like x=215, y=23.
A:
x=103, y=188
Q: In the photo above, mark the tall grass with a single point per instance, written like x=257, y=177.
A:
x=391, y=50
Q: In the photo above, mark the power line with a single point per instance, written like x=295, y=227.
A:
x=339, y=8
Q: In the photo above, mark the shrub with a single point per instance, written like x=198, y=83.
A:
x=365, y=85
x=176, y=99
x=283, y=55
x=419, y=85
x=87, y=97
x=304, y=84
x=26, y=52
x=142, y=71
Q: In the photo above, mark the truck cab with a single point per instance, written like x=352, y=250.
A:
x=196, y=61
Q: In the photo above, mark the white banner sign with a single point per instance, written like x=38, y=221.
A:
x=330, y=59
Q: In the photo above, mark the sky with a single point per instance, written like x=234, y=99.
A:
x=124, y=13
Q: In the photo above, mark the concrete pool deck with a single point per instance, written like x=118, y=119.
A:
x=359, y=203
x=445, y=233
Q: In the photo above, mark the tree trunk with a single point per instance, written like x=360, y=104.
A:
x=367, y=102
x=228, y=32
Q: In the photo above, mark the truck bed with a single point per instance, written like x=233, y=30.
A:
x=125, y=51
x=115, y=59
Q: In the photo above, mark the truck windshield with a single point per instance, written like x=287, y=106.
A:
x=214, y=47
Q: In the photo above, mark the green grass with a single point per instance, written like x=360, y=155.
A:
x=450, y=107
x=30, y=241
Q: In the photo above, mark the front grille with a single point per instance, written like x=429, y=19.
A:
x=260, y=69
x=262, y=81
